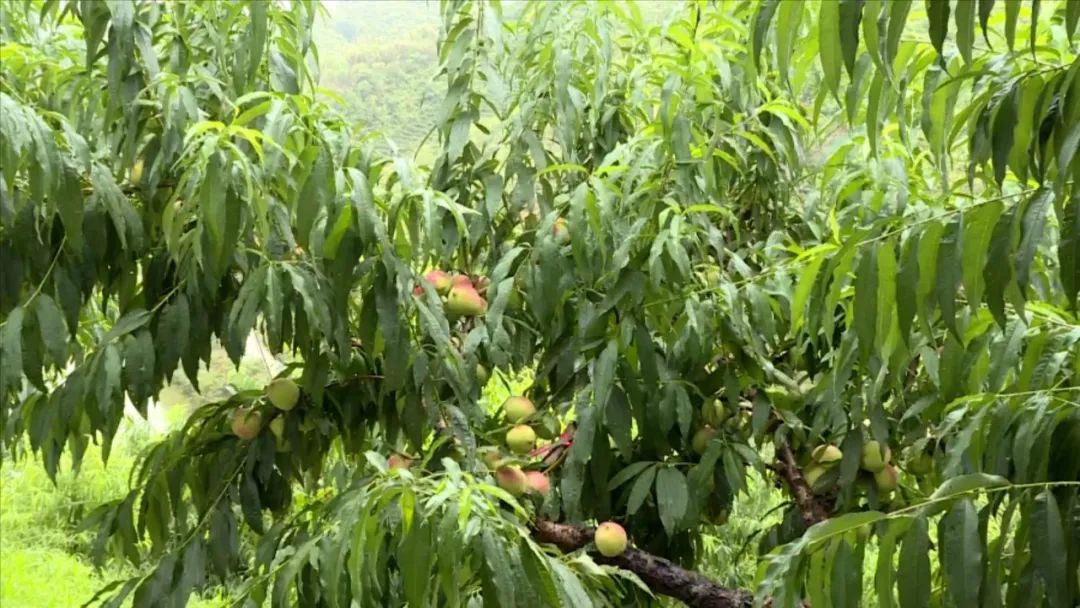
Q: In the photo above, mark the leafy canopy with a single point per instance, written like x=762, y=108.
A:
x=800, y=223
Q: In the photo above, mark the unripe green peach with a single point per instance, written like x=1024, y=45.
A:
x=920, y=464
x=491, y=457
x=827, y=454
x=463, y=301
x=482, y=374
x=610, y=539
x=518, y=409
x=701, y=439
x=277, y=427
x=521, y=439
x=538, y=482
x=511, y=479
x=885, y=479
x=715, y=413
x=283, y=393
x=872, y=459
x=246, y=423
x=813, y=473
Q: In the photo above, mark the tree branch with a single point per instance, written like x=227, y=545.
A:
x=812, y=509
x=661, y=575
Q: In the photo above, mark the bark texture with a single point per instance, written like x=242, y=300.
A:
x=661, y=575
x=811, y=507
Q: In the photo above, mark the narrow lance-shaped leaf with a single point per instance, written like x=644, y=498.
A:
x=865, y=306
x=1069, y=248
x=850, y=16
x=961, y=552
x=965, y=28
x=672, y=497
x=998, y=270
x=978, y=229
x=985, y=8
x=907, y=287
x=1002, y=137
x=1049, y=549
x=913, y=575
x=937, y=11
x=1032, y=229
x=949, y=274
x=829, y=44
x=788, y=19
x=1012, y=14
x=898, y=13
x=765, y=13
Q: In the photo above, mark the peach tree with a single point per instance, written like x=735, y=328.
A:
x=836, y=243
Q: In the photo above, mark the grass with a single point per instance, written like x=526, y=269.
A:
x=43, y=558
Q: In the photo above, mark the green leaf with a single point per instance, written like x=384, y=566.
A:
x=629, y=472
x=640, y=491
x=957, y=487
x=604, y=374
x=907, y=286
x=11, y=348
x=1012, y=13
x=850, y=14
x=829, y=43
x=807, y=280
x=978, y=229
x=886, y=296
x=788, y=20
x=961, y=552
x=898, y=13
x=1069, y=248
x=913, y=573
x=620, y=420
x=885, y=572
x=1002, y=136
x=842, y=524
x=937, y=11
x=965, y=28
x=672, y=496
x=338, y=231
x=985, y=8
x=1032, y=230
x=1072, y=16
x=1048, y=548
x=317, y=194
x=1033, y=39
x=172, y=334
x=949, y=274
x=127, y=323
x=999, y=273
x=765, y=13
x=872, y=28
x=53, y=329
x=865, y=306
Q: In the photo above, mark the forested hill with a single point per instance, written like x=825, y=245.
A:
x=379, y=56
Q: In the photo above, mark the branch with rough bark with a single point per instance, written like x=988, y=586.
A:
x=813, y=510
x=661, y=575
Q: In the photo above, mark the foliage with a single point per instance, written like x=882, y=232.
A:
x=663, y=228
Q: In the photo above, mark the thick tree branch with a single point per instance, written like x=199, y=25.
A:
x=812, y=509
x=662, y=576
